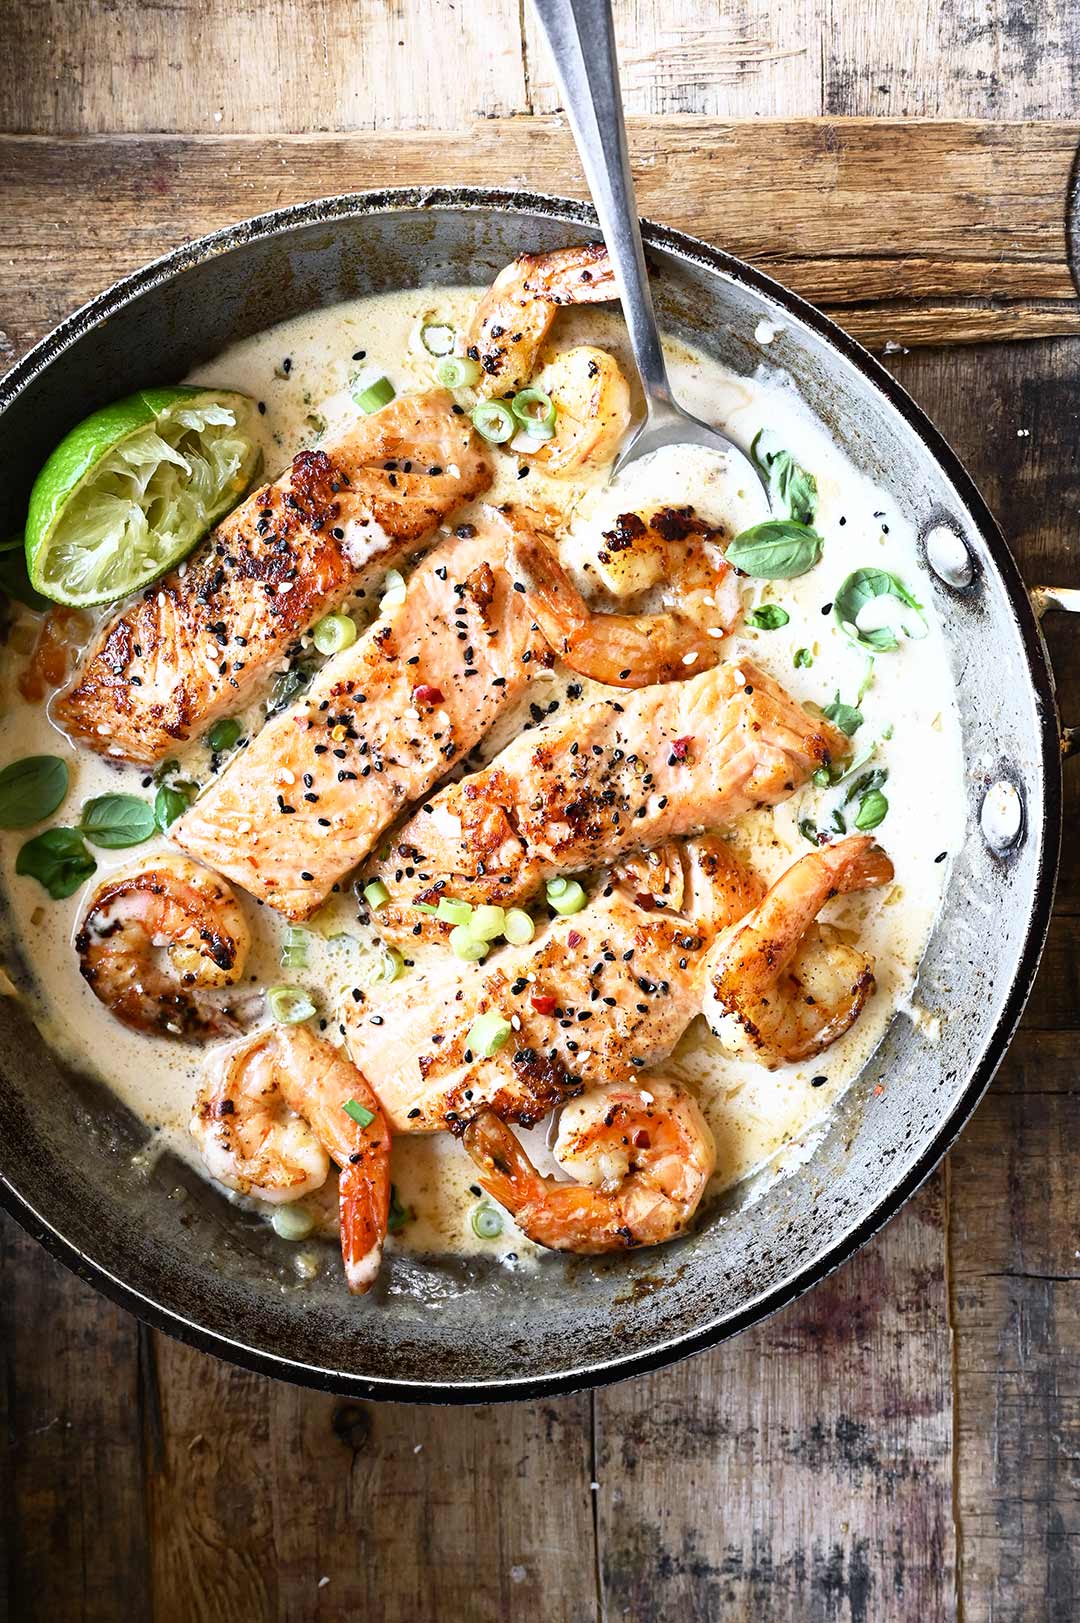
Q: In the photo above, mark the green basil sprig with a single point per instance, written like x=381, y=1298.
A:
x=171, y=801
x=873, y=806
x=117, y=821
x=57, y=859
x=859, y=589
x=768, y=617
x=31, y=790
x=791, y=489
x=779, y=549
x=848, y=717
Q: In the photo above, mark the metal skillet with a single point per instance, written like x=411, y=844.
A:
x=452, y=1329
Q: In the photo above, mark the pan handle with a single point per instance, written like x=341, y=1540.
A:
x=1043, y=599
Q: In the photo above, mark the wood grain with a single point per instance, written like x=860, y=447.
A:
x=909, y=233
x=259, y=65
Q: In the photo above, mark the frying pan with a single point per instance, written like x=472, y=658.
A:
x=163, y=1243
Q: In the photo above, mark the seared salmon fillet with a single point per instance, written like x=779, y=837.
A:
x=596, y=998
x=195, y=644
x=608, y=778
x=382, y=722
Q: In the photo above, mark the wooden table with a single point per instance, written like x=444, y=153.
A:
x=903, y=1443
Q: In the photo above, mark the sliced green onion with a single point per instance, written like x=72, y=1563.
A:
x=289, y=1005
x=375, y=396
x=487, y=1223
x=519, y=927
x=451, y=911
x=394, y=591
x=535, y=411
x=458, y=372
x=294, y=954
x=488, y=922
x=556, y=887
x=334, y=632
x=424, y=907
x=488, y=1033
x=361, y=1115
x=570, y=900
x=376, y=895
x=292, y=1222
x=388, y=966
x=493, y=421
x=438, y=339
x=223, y=735
x=464, y=945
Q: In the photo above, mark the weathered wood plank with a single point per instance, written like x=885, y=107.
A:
x=803, y=1470
x=71, y=1407
x=196, y=65
x=950, y=232
x=266, y=1490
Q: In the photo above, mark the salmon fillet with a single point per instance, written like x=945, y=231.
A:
x=607, y=778
x=596, y=998
x=382, y=722
x=194, y=644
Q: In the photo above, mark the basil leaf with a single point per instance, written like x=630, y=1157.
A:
x=808, y=829
x=803, y=659
x=873, y=809
x=791, y=489
x=14, y=579
x=866, y=784
x=861, y=588
x=57, y=859
x=779, y=549
x=116, y=821
x=287, y=684
x=848, y=717
x=398, y=1215
x=170, y=802
x=838, y=821
x=769, y=617
x=31, y=790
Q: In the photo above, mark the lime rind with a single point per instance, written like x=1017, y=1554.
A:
x=134, y=488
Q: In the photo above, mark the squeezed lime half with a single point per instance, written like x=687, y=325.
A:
x=133, y=487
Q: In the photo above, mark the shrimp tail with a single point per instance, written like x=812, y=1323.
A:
x=508, y=1175
x=364, y=1194
x=862, y=865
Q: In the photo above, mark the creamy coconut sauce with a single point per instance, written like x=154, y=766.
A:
x=305, y=372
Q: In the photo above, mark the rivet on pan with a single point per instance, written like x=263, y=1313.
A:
x=948, y=556
x=1001, y=816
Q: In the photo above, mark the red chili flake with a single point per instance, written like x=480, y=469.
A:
x=574, y=939
x=645, y=901
x=878, y=1091
x=544, y=1004
x=681, y=748
x=642, y=1140
x=303, y=722
x=426, y=694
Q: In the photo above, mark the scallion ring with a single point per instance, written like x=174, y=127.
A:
x=375, y=396
x=535, y=411
x=294, y=952
x=464, y=945
x=437, y=338
x=571, y=899
x=519, y=927
x=458, y=372
x=488, y=922
x=334, y=632
x=289, y=1005
x=292, y=1222
x=494, y=421
x=487, y=1034
x=388, y=966
x=361, y=1115
x=487, y=1223
x=451, y=911
x=376, y=895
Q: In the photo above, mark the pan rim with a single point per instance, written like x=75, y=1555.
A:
x=1047, y=832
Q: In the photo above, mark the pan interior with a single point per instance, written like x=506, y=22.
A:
x=173, y=1248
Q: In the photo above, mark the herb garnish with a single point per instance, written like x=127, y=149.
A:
x=31, y=790
x=58, y=860
x=768, y=617
x=862, y=588
x=779, y=549
x=791, y=488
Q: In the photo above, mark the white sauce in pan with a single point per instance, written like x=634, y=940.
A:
x=760, y=1118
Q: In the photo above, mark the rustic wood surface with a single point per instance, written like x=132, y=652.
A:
x=903, y=1443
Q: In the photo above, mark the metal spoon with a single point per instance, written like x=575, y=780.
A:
x=581, y=39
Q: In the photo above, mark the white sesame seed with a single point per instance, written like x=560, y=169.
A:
x=285, y=586
x=690, y=658
x=286, y=776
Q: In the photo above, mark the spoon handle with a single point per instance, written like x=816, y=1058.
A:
x=581, y=40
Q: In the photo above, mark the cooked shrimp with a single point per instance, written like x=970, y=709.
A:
x=643, y=1152
x=270, y=1117
x=635, y=650
x=780, y=987
x=158, y=945
x=514, y=315
x=592, y=403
